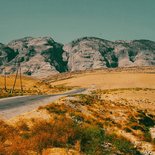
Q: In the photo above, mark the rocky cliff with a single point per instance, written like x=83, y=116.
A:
x=38, y=56
x=90, y=52
x=43, y=56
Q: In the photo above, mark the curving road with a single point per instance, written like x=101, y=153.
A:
x=13, y=106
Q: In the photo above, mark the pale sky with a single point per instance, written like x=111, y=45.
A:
x=66, y=20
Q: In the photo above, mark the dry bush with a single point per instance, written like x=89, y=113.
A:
x=55, y=133
x=2, y=149
x=59, y=132
x=6, y=131
x=41, y=141
x=22, y=125
x=85, y=99
x=19, y=146
x=57, y=109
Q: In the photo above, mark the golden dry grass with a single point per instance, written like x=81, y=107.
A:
x=101, y=79
x=30, y=86
x=28, y=82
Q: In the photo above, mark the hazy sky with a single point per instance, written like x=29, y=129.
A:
x=66, y=20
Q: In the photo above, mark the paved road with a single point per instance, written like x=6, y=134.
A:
x=13, y=106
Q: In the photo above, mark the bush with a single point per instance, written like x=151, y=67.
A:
x=57, y=109
x=41, y=141
x=60, y=132
x=2, y=149
x=91, y=139
x=122, y=144
x=22, y=126
x=85, y=99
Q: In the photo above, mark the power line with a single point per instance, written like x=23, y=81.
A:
x=18, y=71
x=20, y=76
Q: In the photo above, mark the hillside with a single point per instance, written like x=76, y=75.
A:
x=42, y=56
x=133, y=77
x=115, y=116
x=30, y=85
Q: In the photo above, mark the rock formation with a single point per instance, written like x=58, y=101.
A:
x=93, y=53
x=43, y=56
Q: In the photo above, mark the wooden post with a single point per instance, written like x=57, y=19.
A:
x=14, y=81
x=5, y=88
x=15, y=78
x=21, y=83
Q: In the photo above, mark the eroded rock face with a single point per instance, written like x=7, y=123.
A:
x=38, y=56
x=43, y=56
x=6, y=54
x=87, y=53
x=93, y=53
x=135, y=53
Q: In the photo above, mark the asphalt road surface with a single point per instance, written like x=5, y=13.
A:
x=13, y=106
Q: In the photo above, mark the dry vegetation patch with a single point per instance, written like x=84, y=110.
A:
x=117, y=119
x=30, y=86
x=72, y=124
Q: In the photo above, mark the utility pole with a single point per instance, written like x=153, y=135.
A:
x=20, y=76
x=21, y=83
x=14, y=81
x=5, y=88
x=15, y=77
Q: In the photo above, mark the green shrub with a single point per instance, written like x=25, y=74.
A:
x=122, y=144
x=91, y=139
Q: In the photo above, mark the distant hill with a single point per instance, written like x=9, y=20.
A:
x=43, y=56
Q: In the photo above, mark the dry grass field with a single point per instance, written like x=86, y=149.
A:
x=30, y=86
x=116, y=116
x=104, y=79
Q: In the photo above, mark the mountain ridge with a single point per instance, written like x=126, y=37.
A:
x=42, y=56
